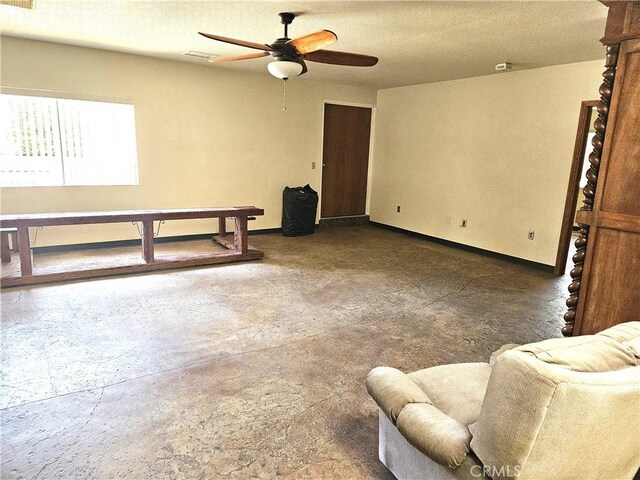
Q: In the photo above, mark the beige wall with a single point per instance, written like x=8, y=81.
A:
x=495, y=150
x=206, y=136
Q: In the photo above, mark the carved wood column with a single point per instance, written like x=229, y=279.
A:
x=600, y=125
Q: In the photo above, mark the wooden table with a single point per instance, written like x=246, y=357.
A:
x=237, y=249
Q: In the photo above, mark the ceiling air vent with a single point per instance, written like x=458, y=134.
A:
x=193, y=53
x=29, y=4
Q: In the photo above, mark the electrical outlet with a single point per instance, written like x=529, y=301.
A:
x=313, y=165
x=398, y=209
x=531, y=235
x=464, y=223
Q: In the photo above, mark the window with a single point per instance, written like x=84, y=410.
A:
x=52, y=141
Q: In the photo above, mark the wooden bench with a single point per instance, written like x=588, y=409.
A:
x=235, y=250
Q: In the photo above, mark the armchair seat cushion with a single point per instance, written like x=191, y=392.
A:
x=457, y=389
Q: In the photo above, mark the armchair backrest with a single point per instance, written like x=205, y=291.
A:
x=564, y=408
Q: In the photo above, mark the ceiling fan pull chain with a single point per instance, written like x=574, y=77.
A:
x=284, y=94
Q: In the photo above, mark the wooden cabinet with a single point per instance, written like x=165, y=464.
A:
x=606, y=277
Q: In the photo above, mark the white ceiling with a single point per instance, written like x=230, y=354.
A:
x=417, y=42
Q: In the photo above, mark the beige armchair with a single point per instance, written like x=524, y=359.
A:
x=565, y=408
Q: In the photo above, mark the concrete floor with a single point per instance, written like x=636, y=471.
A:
x=253, y=369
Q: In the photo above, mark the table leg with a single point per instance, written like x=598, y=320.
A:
x=240, y=235
x=14, y=241
x=222, y=226
x=147, y=240
x=5, y=251
x=24, y=248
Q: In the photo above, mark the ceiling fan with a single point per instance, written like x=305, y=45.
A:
x=289, y=55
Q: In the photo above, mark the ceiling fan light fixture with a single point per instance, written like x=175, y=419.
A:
x=284, y=69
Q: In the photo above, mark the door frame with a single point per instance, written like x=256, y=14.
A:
x=570, y=204
x=371, y=144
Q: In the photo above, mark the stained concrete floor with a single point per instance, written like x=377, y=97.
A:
x=248, y=370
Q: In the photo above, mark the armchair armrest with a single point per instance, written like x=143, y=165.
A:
x=435, y=434
x=393, y=390
x=440, y=437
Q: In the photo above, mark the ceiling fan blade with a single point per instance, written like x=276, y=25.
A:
x=341, y=58
x=231, y=58
x=242, y=43
x=313, y=41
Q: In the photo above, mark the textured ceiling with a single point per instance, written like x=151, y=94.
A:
x=417, y=42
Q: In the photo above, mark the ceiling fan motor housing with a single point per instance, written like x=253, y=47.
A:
x=286, y=53
x=282, y=51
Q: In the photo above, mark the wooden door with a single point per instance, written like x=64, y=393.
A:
x=345, y=160
x=571, y=202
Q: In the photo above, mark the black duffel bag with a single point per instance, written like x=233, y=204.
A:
x=299, y=207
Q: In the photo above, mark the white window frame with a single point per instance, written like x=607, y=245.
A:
x=58, y=155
